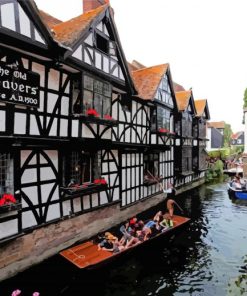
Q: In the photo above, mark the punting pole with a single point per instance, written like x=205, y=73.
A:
x=162, y=187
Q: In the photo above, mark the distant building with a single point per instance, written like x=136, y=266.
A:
x=237, y=139
x=215, y=135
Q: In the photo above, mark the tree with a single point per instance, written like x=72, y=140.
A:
x=245, y=98
x=227, y=134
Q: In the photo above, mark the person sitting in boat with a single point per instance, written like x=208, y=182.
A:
x=158, y=216
x=167, y=222
x=106, y=243
x=135, y=225
x=139, y=238
x=115, y=247
x=126, y=232
x=236, y=184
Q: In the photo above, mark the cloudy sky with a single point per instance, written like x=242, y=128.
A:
x=203, y=41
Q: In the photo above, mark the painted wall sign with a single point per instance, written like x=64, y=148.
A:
x=18, y=86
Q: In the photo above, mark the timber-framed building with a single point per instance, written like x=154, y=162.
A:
x=81, y=134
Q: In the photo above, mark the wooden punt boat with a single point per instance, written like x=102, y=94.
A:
x=87, y=256
x=237, y=193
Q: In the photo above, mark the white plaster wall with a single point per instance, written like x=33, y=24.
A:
x=78, y=53
x=8, y=16
x=8, y=228
x=20, y=123
x=24, y=23
x=2, y=121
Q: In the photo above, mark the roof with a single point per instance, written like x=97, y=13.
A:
x=49, y=20
x=216, y=124
x=147, y=80
x=183, y=98
x=177, y=87
x=236, y=135
x=200, y=107
x=70, y=31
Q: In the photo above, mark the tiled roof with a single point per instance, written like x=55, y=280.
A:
x=200, y=107
x=177, y=87
x=182, y=98
x=147, y=80
x=70, y=31
x=236, y=135
x=49, y=20
x=216, y=124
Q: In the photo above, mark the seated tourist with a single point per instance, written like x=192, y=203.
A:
x=115, y=247
x=158, y=216
x=166, y=222
x=126, y=232
x=236, y=183
x=107, y=241
x=140, y=237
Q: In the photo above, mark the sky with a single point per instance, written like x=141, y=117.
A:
x=203, y=41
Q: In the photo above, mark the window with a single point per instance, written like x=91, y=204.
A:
x=6, y=173
x=164, y=93
x=96, y=95
x=82, y=167
x=102, y=43
x=186, y=159
x=163, y=118
x=151, y=164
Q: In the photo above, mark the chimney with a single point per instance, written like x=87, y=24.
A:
x=93, y=4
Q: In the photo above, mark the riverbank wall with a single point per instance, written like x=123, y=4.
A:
x=32, y=248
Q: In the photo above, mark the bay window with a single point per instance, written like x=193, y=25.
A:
x=97, y=96
x=163, y=118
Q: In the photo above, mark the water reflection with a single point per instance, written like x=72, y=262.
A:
x=207, y=259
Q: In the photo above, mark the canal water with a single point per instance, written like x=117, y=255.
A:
x=209, y=258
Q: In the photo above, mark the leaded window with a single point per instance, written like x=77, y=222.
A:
x=163, y=118
x=151, y=165
x=164, y=92
x=97, y=96
x=6, y=173
x=82, y=167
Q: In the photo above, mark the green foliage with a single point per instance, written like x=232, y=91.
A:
x=245, y=98
x=215, y=170
x=227, y=135
x=221, y=153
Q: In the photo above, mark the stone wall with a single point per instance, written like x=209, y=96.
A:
x=42, y=243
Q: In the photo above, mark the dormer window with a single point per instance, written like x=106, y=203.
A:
x=102, y=43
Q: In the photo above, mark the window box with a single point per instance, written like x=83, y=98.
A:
x=164, y=131
x=86, y=188
x=10, y=207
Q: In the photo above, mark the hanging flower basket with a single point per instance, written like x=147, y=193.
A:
x=92, y=112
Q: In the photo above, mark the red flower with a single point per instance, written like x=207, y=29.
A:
x=92, y=112
x=108, y=117
x=100, y=181
x=7, y=199
x=163, y=130
x=103, y=182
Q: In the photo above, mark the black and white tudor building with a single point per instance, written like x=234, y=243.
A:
x=78, y=129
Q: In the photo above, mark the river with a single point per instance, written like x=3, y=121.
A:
x=209, y=258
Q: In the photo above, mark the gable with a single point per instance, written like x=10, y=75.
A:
x=164, y=92
x=99, y=49
x=14, y=18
